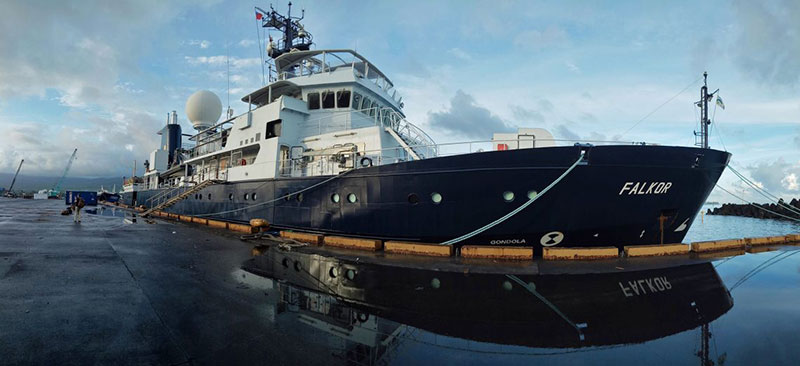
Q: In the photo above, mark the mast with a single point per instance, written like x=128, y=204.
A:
x=294, y=35
x=704, y=120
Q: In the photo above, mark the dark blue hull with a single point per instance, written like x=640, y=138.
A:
x=623, y=195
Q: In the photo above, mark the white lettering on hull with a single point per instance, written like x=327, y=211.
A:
x=637, y=188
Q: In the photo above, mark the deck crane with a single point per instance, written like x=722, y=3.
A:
x=9, y=194
x=57, y=189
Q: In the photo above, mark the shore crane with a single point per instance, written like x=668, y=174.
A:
x=57, y=189
x=9, y=194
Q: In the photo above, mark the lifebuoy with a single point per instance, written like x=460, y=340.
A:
x=244, y=161
x=366, y=162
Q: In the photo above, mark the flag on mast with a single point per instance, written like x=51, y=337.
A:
x=720, y=103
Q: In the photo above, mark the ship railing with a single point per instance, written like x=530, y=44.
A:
x=335, y=163
x=329, y=61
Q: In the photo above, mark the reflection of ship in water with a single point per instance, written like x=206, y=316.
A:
x=539, y=308
x=361, y=338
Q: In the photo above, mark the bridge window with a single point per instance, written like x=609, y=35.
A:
x=356, y=101
x=273, y=129
x=343, y=99
x=372, y=109
x=327, y=100
x=365, y=106
x=313, y=100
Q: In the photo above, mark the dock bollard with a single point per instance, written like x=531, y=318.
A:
x=259, y=224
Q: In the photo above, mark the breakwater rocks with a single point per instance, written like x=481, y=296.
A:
x=746, y=210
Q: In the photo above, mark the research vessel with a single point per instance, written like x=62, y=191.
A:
x=325, y=147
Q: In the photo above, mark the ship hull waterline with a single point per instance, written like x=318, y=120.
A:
x=620, y=195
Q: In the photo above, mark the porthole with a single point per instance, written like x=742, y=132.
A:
x=508, y=196
x=351, y=274
x=352, y=198
x=230, y=196
x=254, y=196
x=532, y=194
x=195, y=196
x=287, y=198
x=246, y=196
x=299, y=197
x=333, y=272
x=413, y=199
x=297, y=266
x=335, y=198
x=436, y=198
x=209, y=196
x=285, y=262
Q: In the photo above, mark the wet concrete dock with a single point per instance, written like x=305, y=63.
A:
x=107, y=292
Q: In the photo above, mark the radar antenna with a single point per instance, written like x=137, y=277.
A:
x=294, y=35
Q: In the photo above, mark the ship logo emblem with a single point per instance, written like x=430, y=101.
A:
x=552, y=238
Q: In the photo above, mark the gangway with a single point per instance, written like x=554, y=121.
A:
x=179, y=197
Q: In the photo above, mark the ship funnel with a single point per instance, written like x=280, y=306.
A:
x=203, y=109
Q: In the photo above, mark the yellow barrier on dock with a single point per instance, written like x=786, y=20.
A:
x=241, y=228
x=767, y=240
x=218, y=224
x=793, y=238
x=185, y=218
x=201, y=221
x=581, y=253
x=716, y=245
x=315, y=239
x=405, y=247
x=353, y=243
x=656, y=250
x=495, y=252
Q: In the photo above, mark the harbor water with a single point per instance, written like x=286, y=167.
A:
x=115, y=290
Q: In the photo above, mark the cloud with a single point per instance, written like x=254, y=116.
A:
x=777, y=177
x=460, y=54
x=768, y=43
x=523, y=115
x=222, y=60
x=465, y=117
x=535, y=39
x=246, y=43
x=572, y=67
x=564, y=132
x=200, y=43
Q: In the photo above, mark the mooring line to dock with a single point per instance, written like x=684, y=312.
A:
x=763, y=191
x=764, y=265
x=532, y=289
x=755, y=205
x=277, y=199
x=517, y=210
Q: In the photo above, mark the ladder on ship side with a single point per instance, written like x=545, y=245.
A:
x=179, y=197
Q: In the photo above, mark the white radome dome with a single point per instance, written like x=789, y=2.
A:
x=203, y=108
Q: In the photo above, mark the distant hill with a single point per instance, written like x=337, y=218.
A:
x=31, y=183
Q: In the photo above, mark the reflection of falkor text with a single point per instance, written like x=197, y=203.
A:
x=645, y=286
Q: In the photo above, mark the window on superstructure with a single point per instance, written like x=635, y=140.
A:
x=372, y=109
x=365, y=106
x=273, y=129
x=343, y=99
x=356, y=101
x=313, y=100
x=328, y=99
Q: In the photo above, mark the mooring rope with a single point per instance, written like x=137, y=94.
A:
x=763, y=192
x=515, y=211
x=279, y=198
x=757, y=206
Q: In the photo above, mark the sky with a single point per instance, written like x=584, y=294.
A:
x=102, y=76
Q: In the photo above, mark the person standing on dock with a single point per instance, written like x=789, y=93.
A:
x=79, y=203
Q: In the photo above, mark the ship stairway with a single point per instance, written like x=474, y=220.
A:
x=412, y=138
x=177, y=197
